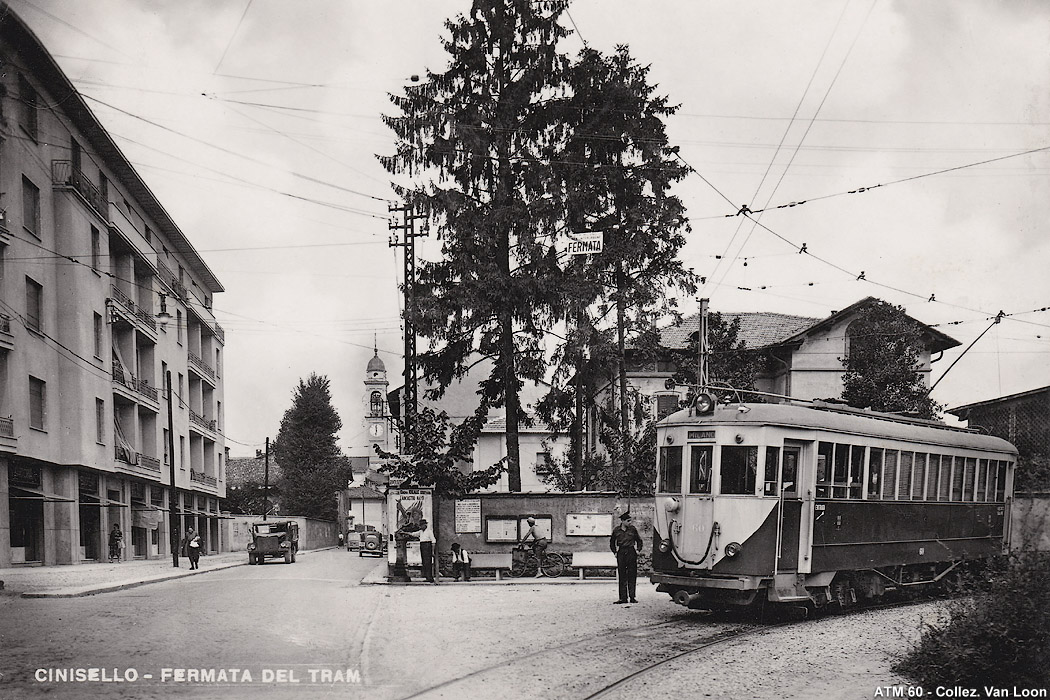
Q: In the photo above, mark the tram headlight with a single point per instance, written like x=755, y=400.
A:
x=705, y=403
x=671, y=505
x=665, y=546
x=732, y=549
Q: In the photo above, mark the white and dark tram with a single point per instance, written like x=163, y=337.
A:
x=817, y=504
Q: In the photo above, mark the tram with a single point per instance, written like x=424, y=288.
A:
x=820, y=504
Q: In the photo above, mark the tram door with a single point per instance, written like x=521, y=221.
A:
x=790, y=508
x=698, y=507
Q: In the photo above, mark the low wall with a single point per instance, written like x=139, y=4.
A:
x=313, y=534
x=570, y=515
x=1030, y=522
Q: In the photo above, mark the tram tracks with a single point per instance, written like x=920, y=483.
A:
x=600, y=665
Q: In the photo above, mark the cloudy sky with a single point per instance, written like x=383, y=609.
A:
x=256, y=123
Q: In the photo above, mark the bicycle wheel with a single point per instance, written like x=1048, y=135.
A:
x=553, y=565
x=523, y=567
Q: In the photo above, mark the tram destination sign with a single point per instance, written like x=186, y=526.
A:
x=701, y=435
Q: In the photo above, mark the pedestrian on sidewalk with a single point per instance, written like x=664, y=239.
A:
x=625, y=542
x=460, y=562
x=426, y=550
x=116, y=542
x=194, y=549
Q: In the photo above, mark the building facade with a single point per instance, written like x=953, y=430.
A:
x=798, y=357
x=1024, y=420
x=101, y=297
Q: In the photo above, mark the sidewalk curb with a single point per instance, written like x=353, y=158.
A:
x=83, y=591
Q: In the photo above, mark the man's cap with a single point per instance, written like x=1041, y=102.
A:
x=530, y=519
x=626, y=516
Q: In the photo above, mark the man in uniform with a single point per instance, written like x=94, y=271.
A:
x=625, y=542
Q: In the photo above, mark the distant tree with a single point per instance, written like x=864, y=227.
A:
x=882, y=363
x=441, y=448
x=249, y=498
x=313, y=468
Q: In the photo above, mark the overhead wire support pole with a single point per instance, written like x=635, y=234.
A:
x=407, y=226
x=998, y=317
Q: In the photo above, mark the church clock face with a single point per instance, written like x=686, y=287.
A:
x=376, y=430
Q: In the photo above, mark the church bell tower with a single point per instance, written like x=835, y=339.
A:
x=377, y=410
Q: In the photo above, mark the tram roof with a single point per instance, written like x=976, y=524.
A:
x=844, y=420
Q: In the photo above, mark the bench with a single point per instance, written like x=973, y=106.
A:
x=593, y=560
x=498, y=562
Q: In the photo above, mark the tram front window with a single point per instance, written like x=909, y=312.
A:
x=699, y=469
x=739, y=470
x=670, y=470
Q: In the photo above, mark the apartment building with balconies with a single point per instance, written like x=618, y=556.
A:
x=101, y=296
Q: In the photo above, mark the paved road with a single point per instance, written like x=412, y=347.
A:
x=312, y=622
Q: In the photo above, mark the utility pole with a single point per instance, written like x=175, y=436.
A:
x=407, y=240
x=173, y=498
x=266, y=480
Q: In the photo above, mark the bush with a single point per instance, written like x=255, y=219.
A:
x=996, y=633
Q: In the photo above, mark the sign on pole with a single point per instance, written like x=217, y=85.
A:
x=585, y=242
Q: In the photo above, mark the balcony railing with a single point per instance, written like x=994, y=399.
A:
x=147, y=462
x=201, y=421
x=169, y=278
x=220, y=334
x=202, y=478
x=123, y=454
x=146, y=319
x=63, y=174
x=139, y=386
x=199, y=363
x=122, y=296
x=7, y=427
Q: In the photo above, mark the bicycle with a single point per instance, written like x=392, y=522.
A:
x=525, y=562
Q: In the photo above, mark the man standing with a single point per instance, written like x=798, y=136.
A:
x=625, y=542
x=426, y=550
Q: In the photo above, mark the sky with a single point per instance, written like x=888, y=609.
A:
x=915, y=138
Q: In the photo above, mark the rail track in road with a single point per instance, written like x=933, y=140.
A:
x=598, y=665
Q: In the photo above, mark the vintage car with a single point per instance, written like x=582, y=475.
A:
x=278, y=538
x=372, y=544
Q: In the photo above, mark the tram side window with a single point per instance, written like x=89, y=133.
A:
x=856, y=470
x=874, y=473
x=918, y=481
x=739, y=470
x=889, y=476
x=700, y=469
x=982, y=480
x=825, y=454
x=957, y=479
x=670, y=469
x=933, y=470
x=904, y=485
x=944, y=488
x=968, y=478
x=1000, y=482
x=769, y=487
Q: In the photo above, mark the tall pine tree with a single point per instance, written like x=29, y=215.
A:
x=478, y=139
x=618, y=169
x=313, y=468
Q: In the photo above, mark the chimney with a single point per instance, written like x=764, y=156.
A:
x=259, y=454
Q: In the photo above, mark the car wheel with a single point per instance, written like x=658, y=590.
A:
x=251, y=560
x=288, y=557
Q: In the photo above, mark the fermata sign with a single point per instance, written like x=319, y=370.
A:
x=585, y=242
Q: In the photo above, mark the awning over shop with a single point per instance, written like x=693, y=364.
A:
x=104, y=502
x=37, y=495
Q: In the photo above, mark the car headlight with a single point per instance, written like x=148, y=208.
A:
x=732, y=549
x=251, y=547
x=285, y=545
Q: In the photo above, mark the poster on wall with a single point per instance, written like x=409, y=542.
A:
x=588, y=524
x=468, y=515
x=406, y=508
x=501, y=529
